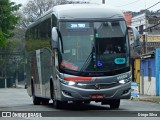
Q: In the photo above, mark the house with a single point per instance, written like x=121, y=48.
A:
x=148, y=24
x=128, y=17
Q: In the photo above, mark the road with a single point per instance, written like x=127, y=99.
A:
x=18, y=101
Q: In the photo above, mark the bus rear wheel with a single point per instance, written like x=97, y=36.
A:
x=45, y=101
x=115, y=104
x=36, y=100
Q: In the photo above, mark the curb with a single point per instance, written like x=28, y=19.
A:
x=153, y=99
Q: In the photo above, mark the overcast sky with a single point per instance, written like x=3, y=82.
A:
x=124, y=5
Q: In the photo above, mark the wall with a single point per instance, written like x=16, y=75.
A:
x=157, y=62
x=148, y=77
x=138, y=21
x=137, y=71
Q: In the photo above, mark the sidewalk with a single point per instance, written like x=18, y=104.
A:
x=147, y=98
x=21, y=84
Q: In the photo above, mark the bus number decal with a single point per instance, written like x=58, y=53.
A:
x=80, y=25
x=120, y=60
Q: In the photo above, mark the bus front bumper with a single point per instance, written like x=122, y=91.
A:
x=71, y=93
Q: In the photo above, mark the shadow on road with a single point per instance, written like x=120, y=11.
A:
x=80, y=107
x=85, y=110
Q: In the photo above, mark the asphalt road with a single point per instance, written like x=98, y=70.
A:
x=18, y=103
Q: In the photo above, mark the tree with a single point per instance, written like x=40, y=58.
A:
x=35, y=8
x=7, y=20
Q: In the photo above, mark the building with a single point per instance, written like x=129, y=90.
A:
x=150, y=73
x=128, y=17
x=139, y=22
x=148, y=24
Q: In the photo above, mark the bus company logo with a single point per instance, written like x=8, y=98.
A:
x=97, y=87
x=6, y=114
x=121, y=77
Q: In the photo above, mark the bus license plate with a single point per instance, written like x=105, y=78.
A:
x=97, y=96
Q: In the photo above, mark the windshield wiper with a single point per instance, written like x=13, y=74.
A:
x=86, y=63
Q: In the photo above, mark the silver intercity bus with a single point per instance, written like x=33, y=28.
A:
x=79, y=53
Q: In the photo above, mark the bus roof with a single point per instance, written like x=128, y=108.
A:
x=81, y=12
x=86, y=11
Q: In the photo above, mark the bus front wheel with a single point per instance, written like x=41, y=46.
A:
x=57, y=104
x=115, y=104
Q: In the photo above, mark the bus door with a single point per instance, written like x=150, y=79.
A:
x=47, y=70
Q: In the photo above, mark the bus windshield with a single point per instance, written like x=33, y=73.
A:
x=93, y=46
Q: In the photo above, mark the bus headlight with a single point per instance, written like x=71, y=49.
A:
x=122, y=81
x=71, y=83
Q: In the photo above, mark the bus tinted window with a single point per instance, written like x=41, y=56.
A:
x=39, y=36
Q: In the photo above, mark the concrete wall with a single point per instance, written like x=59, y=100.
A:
x=148, y=77
x=157, y=69
x=148, y=87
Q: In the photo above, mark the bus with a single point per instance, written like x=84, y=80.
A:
x=79, y=53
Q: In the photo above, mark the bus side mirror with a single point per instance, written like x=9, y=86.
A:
x=135, y=42
x=136, y=35
x=54, y=38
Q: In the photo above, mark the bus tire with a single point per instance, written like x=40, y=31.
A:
x=115, y=104
x=78, y=102
x=87, y=102
x=57, y=104
x=51, y=90
x=36, y=100
x=45, y=101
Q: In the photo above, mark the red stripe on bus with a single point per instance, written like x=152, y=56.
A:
x=78, y=78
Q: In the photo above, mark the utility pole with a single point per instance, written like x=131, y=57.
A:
x=5, y=71
x=103, y=1
x=146, y=33
x=144, y=43
x=16, y=81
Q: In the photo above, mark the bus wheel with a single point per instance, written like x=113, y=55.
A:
x=57, y=104
x=87, y=102
x=36, y=100
x=60, y=104
x=78, y=102
x=115, y=104
x=51, y=90
x=45, y=102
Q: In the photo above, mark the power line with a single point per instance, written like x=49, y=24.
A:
x=149, y=28
x=138, y=1
x=153, y=5
x=139, y=19
x=129, y=3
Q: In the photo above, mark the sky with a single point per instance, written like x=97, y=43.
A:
x=124, y=5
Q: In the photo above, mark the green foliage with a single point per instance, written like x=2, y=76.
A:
x=12, y=44
x=33, y=44
x=7, y=20
x=2, y=39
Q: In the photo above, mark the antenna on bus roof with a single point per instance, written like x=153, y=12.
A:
x=103, y=1
x=80, y=2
